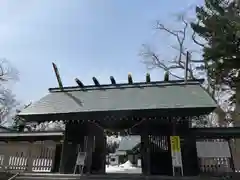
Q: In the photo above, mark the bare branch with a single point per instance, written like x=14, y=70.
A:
x=194, y=37
x=195, y=41
x=196, y=66
x=7, y=71
x=7, y=98
x=153, y=61
x=7, y=104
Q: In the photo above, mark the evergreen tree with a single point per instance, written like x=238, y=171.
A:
x=112, y=147
x=219, y=25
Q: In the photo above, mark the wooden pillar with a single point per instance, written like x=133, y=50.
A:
x=103, y=171
x=57, y=158
x=69, y=149
x=188, y=150
x=89, y=150
x=99, y=152
x=189, y=156
x=145, y=152
x=73, y=136
x=64, y=151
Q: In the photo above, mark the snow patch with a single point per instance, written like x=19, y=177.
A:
x=127, y=167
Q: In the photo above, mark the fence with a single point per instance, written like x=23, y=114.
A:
x=215, y=156
x=28, y=157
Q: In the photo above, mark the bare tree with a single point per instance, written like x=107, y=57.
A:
x=152, y=60
x=8, y=101
x=195, y=69
x=7, y=104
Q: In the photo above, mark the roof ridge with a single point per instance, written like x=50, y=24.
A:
x=126, y=85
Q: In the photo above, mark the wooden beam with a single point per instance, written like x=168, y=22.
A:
x=57, y=76
x=96, y=82
x=216, y=132
x=112, y=80
x=79, y=83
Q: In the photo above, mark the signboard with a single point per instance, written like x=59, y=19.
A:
x=176, y=151
x=139, y=162
x=81, y=158
x=175, y=143
x=176, y=155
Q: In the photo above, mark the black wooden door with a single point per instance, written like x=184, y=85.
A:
x=160, y=155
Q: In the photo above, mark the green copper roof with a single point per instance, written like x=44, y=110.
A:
x=128, y=143
x=142, y=96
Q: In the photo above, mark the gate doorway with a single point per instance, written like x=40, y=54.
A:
x=160, y=155
x=124, y=155
x=138, y=154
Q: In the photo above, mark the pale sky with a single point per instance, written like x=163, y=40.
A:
x=85, y=38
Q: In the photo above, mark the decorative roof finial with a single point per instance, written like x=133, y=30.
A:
x=112, y=80
x=148, y=78
x=130, y=80
x=166, y=76
x=96, y=81
x=79, y=83
x=59, y=80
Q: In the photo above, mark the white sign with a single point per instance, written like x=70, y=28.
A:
x=176, y=151
x=176, y=159
x=212, y=149
x=81, y=158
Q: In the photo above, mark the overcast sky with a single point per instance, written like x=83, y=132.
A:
x=84, y=38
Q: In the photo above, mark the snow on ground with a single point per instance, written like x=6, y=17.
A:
x=127, y=168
